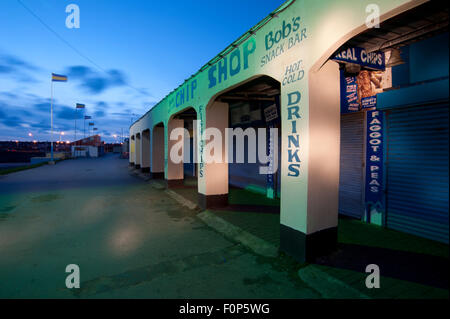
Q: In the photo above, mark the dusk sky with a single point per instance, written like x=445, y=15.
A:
x=144, y=48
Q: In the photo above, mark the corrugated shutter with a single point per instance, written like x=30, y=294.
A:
x=351, y=181
x=417, y=171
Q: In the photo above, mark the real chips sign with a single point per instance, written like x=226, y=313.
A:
x=358, y=91
x=372, y=60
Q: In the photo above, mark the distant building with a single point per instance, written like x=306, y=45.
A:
x=91, y=146
x=94, y=140
x=125, y=148
x=113, y=148
x=25, y=152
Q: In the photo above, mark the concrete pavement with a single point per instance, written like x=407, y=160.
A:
x=411, y=267
x=129, y=239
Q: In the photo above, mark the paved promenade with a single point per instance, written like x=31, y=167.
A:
x=129, y=239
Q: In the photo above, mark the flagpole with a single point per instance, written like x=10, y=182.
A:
x=75, y=140
x=59, y=78
x=76, y=113
x=51, y=122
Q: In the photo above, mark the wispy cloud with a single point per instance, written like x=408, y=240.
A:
x=8, y=95
x=67, y=113
x=10, y=63
x=16, y=68
x=30, y=113
x=23, y=110
x=6, y=119
x=94, y=82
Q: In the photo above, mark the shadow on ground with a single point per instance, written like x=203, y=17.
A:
x=409, y=266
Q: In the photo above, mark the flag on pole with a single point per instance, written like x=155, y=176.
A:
x=95, y=129
x=80, y=106
x=58, y=78
x=91, y=123
x=87, y=117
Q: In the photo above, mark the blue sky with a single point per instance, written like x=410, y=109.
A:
x=144, y=48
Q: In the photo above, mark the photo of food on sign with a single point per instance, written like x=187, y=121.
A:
x=369, y=83
x=359, y=90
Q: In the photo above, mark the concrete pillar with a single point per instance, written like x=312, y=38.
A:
x=186, y=151
x=310, y=179
x=175, y=171
x=132, y=151
x=213, y=177
x=157, y=154
x=138, y=159
x=145, y=165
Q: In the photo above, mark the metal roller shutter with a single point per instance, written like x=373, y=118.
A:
x=351, y=180
x=417, y=171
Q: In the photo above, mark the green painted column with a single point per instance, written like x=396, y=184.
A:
x=213, y=176
x=175, y=171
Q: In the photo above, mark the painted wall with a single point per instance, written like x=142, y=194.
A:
x=175, y=170
x=424, y=60
x=138, y=146
x=145, y=140
x=428, y=59
x=157, y=150
x=132, y=156
x=324, y=157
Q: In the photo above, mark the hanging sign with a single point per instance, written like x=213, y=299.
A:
x=360, y=92
x=349, y=94
x=271, y=113
x=373, y=60
x=374, y=166
x=270, y=182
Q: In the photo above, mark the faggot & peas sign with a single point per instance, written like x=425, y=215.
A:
x=374, y=158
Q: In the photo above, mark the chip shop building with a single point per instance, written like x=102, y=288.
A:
x=361, y=107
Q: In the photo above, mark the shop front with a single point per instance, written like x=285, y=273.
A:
x=325, y=79
x=394, y=125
